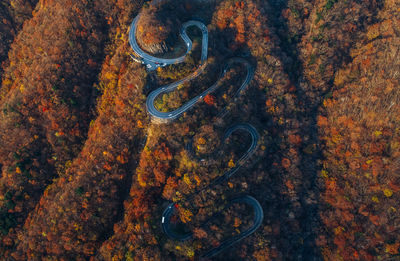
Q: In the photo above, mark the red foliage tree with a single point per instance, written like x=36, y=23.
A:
x=209, y=99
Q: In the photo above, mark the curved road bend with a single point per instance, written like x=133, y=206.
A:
x=250, y=151
x=254, y=144
x=258, y=218
x=258, y=211
x=171, y=87
x=154, y=62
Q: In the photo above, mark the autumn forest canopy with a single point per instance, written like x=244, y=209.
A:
x=86, y=173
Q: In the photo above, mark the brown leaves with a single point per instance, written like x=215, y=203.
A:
x=331, y=185
x=362, y=211
x=374, y=219
x=162, y=152
x=159, y=173
x=295, y=139
x=170, y=188
x=285, y=163
x=322, y=121
x=354, y=164
x=392, y=249
x=123, y=157
x=199, y=233
x=289, y=184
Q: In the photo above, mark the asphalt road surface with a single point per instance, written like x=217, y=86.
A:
x=152, y=63
x=258, y=211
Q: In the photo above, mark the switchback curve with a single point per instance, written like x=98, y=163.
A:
x=258, y=211
x=171, y=87
x=152, y=63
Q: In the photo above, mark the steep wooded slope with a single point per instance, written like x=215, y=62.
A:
x=359, y=128
x=80, y=209
x=12, y=15
x=45, y=109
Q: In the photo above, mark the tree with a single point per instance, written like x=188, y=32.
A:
x=209, y=99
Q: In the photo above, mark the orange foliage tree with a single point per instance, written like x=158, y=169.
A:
x=360, y=147
x=45, y=101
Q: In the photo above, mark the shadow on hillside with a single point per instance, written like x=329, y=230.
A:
x=309, y=220
x=294, y=237
x=294, y=222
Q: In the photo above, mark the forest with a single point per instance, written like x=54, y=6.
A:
x=86, y=173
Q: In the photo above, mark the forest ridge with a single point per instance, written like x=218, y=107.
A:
x=86, y=172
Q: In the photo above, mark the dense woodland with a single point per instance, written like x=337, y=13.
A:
x=86, y=174
x=12, y=16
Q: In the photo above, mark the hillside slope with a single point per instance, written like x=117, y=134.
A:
x=88, y=172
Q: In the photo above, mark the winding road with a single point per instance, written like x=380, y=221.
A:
x=152, y=63
x=155, y=62
x=171, y=87
x=258, y=211
x=257, y=221
x=254, y=144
